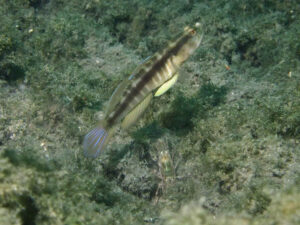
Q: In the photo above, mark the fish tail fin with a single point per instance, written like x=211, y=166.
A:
x=94, y=142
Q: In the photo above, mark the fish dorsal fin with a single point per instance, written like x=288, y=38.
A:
x=116, y=96
x=166, y=86
x=120, y=89
x=145, y=63
x=137, y=111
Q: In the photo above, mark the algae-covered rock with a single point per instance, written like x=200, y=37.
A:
x=284, y=209
x=221, y=147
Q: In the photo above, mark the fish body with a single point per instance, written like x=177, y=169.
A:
x=152, y=78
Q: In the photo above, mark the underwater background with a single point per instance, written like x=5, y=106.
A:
x=221, y=147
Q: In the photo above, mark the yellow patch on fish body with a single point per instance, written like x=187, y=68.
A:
x=154, y=77
x=166, y=86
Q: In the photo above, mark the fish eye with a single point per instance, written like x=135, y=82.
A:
x=192, y=32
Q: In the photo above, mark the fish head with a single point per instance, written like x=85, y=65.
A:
x=191, y=40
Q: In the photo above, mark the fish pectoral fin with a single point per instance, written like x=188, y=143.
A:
x=137, y=111
x=166, y=86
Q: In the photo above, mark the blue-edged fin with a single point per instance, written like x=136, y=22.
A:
x=94, y=142
x=166, y=86
x=137, y=111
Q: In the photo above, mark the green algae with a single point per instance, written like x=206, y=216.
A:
x=283, y=209
x=230, y=126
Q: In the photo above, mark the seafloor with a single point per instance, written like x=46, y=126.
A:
x=228, y=131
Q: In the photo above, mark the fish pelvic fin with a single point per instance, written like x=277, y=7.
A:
x=95, y=141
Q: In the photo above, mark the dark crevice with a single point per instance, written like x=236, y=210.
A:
x=38, y=3
x=29, y=212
